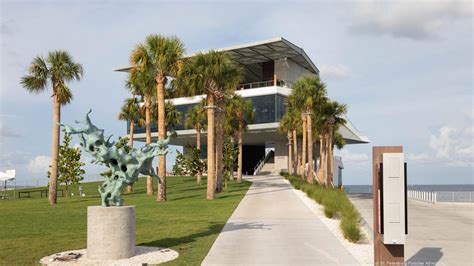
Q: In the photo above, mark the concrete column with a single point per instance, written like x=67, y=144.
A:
x=110, y=232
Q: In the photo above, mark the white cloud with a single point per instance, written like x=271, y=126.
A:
x=454, y=145
x=420, y=157
x=408, y=19
x=351, y=158
x=39, y=164
x=334, y=72
x=450, y=146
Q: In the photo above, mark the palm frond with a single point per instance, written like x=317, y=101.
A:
x=37, y=79
x=64, y=93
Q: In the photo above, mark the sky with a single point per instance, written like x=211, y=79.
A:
x=404, y=68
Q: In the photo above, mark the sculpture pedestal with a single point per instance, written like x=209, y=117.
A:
x=110, y=232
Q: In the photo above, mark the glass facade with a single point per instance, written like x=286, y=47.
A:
x=268, y=109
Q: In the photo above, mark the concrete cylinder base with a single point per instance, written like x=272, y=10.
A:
x=110, y=232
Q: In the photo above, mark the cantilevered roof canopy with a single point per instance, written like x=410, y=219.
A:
x=262, y=51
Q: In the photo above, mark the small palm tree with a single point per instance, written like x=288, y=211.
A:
x=130, y=112
x=286, y=128
x=196, y=118
x=159, y=55
x=221, y=102
x=244, y=114
x=141, y=82
x=332, y=117
x=289, y=124
x=173, y=117
x=56, y=70
x=309, y=92
x=211, y=74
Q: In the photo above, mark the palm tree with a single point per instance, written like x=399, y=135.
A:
x=57, y=68
x=287, y=126
x=242, y=110
x=211, y=74
x=309, y=92
x=159, y=55
x=331, y=118
x=294, y=109
x=290, y=122
x=196, y=118
x=219, y=137
x=142, y=82
x=130, y=112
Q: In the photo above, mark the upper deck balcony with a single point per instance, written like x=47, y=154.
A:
x=267, y=83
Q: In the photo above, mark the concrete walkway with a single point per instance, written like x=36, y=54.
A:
x=273, y=226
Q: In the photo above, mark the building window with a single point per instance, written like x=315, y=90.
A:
x=268, y=109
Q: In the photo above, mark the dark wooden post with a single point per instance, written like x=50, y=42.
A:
x=383, y=254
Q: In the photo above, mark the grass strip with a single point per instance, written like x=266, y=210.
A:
x=187, y=222
x=336, y=204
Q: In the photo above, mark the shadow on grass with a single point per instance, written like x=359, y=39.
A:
x=213, y=229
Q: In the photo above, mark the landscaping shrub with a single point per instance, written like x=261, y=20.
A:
x=335, y=202
x=330, y=203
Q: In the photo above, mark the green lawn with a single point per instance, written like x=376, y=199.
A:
x=187, y=222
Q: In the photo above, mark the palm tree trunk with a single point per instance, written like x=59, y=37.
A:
x=330, y=157
x=309, y=177
x=53, y=180
x=198, y=147
x=290, y=155
x=298, y=165
x=241, y=149
x=210, y=147
x=303, y=155
x=321, y=159
x=149, y=179
x=295, y=151
x=326, y=156
x=219, y=140
x=132, y=125
x=160, y=93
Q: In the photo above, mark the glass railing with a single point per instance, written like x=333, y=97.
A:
x=266, y=83
x=254, y=85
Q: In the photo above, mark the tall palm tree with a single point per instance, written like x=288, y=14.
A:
x=211, y=74
x=196, y=118
x=310, y=92
x=141, y=82
x=160, y=55
x=242, y=110
x=332, y=117
x=57, y=68
x=130, y=112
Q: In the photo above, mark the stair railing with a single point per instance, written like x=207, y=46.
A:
x=261, y=163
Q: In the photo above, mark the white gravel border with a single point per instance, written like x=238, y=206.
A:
x=362, y=251
x=144, y=255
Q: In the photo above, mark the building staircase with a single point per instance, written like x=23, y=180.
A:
x=266, y=165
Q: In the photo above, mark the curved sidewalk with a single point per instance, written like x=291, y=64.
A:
x=273, y=226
